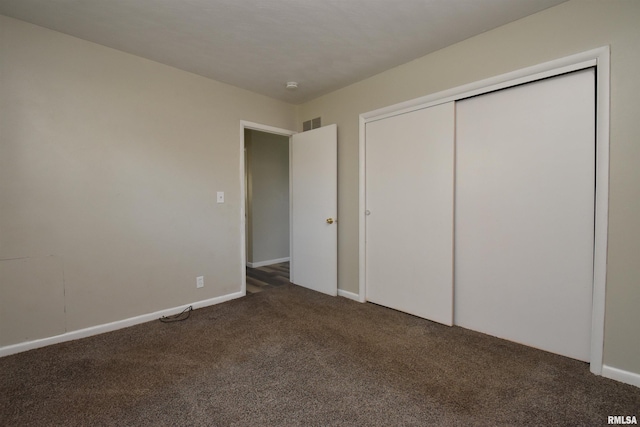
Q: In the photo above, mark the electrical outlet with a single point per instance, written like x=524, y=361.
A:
x=220, y=197
x=200, y=282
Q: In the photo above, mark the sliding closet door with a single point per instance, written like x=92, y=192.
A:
x=525, y=178
x=409, y=221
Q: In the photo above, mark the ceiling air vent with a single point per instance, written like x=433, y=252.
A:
x=311, y=124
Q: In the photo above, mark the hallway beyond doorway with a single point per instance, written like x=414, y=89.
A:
x=267, y=277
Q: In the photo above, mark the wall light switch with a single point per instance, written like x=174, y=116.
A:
x=220, y=197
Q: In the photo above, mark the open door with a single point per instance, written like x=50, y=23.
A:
x=314, y=208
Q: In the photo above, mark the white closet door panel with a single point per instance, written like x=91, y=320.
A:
x=409, y=194
x=525, y=183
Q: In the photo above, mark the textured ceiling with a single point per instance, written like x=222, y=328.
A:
x=259, y=45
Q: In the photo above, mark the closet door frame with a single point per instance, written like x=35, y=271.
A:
x=598, y=58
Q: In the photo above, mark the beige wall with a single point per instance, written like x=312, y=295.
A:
x=109, y=167
x=268, y=196
x=572, y=27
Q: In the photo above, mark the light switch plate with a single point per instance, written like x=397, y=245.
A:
x=220, y=197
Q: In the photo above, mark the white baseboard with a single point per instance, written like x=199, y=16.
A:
x=347, y=294
x=108, y=327
x=267, y=262
x=620, y=375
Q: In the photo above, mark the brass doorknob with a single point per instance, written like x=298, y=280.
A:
x=330, y=220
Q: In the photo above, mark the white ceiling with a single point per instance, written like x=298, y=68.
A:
x=259, y=45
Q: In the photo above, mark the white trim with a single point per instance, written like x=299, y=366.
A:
x=349, y=295
x=112, y=326
x=267, y=262
x=243, y=250
x=596, y=57
x=537, y=72
x=620, y=375
x=601, y=225
x=291, y=260
x=265, y=128
x=362, y=229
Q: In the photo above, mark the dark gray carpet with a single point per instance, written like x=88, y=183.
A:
x=291, y=356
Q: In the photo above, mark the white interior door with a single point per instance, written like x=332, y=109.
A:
x=314, y=208
x=409, y=218
x=525, y=178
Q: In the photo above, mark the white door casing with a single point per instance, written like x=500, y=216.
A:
x=598, y=58
x=314, y=209
x=409, y=219
x=243, y=191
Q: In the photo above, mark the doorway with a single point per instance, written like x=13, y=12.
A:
x=313, y=206
x=267, y=209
